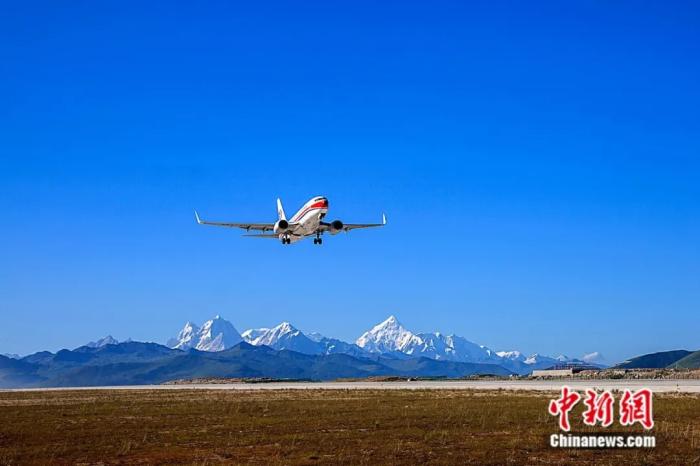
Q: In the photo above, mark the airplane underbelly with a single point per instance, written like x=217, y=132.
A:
x=310, y=223
x=310, y=226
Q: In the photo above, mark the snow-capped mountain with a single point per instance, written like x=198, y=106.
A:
x=187, y=338
x=252, y=334
x=452, y=348
x=391, y=336
x=283, y=336
x=216, y=334
x=108, y=340
x=11, y=355
x=511, y=355
x=387, y=337
x=286, y=336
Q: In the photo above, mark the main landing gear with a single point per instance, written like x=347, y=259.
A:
x=318, y=239
x=286, y=240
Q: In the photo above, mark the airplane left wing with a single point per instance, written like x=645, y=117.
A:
x=244, y=226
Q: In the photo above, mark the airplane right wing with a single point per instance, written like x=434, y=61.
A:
x=354, y=226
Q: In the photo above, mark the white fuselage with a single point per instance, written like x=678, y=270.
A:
x=307, y=219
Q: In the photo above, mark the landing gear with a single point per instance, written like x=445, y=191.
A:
x=318, y=240
x=286, y=240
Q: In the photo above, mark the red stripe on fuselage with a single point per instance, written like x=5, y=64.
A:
x=317, y=205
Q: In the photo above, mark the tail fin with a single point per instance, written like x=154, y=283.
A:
x=280, y=210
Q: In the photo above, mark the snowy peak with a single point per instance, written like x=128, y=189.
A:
x=216, y=334
x=108, y=340
x=271, y=336
x=283, y=337
x=511, y=355
x=252, y=334
x=388, y=336
x=287, y=337
x=187, y=338
x=392, y=337
x=390, y=321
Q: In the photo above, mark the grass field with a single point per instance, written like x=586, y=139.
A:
x=316, y=427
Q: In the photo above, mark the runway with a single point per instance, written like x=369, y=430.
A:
x=659, y=386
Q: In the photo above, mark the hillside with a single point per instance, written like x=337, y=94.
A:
x=691, y=361
x=654, y=360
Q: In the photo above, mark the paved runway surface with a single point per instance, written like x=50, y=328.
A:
x=679, y=386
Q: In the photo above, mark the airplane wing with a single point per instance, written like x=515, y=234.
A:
x=264, y=235
x=354, y=226
x=244, y=226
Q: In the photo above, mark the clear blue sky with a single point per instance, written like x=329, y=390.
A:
x=540, y=168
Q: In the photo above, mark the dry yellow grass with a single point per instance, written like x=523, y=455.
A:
x=315, y=427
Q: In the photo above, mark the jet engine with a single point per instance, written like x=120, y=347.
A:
x=336, y=227
x=281, y=226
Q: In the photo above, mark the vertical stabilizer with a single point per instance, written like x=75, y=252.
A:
x=280, y=210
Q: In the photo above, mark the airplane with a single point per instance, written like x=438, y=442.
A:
x=308, y=221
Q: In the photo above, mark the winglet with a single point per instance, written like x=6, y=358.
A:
x=383, y=219
x=196, y=215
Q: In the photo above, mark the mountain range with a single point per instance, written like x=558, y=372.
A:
x=217, y=349
x=136, y=363
x=388, y=339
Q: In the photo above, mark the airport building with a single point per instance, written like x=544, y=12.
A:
x=564, y=370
